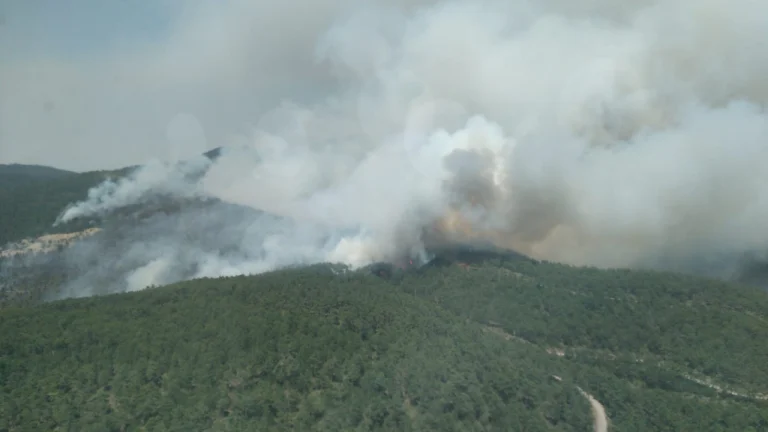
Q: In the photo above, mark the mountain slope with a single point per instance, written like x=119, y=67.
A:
x=30, y=208
x=32, y=197
x=499, y=342
x=18, y=174
x=690, y=321
x=104, y=260
x=299, y=349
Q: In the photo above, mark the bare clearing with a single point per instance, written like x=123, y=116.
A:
x=46, y=243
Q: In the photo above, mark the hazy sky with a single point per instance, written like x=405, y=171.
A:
x=87, y=84
x=90, y=84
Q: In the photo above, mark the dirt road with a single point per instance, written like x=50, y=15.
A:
x=598, y=413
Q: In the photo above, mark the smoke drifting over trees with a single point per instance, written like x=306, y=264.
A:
x=611, y=134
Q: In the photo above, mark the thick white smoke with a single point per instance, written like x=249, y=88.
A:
x=156, y=178
x=627, y=133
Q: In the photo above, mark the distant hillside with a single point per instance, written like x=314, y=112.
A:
x=32, y=197
x=30, y=172
x=29, y=209
x=16, y=175
x=476, y=341
x=55, y=266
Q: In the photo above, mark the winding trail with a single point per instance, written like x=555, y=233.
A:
x=598, y=412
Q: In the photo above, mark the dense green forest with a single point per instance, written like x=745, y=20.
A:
x=466, y=343
x=475, y=340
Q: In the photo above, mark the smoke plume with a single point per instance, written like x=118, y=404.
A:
x=605, y=133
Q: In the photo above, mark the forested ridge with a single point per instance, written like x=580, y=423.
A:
x=457, y=345
x=30, y=204
x=14, y=174
x=33, y=196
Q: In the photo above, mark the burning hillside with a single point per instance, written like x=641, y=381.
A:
x=615, y=135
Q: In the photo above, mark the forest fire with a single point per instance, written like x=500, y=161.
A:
x=451, y=240
x=456, y=228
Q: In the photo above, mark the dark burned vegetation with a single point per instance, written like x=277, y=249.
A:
x=472, y=341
